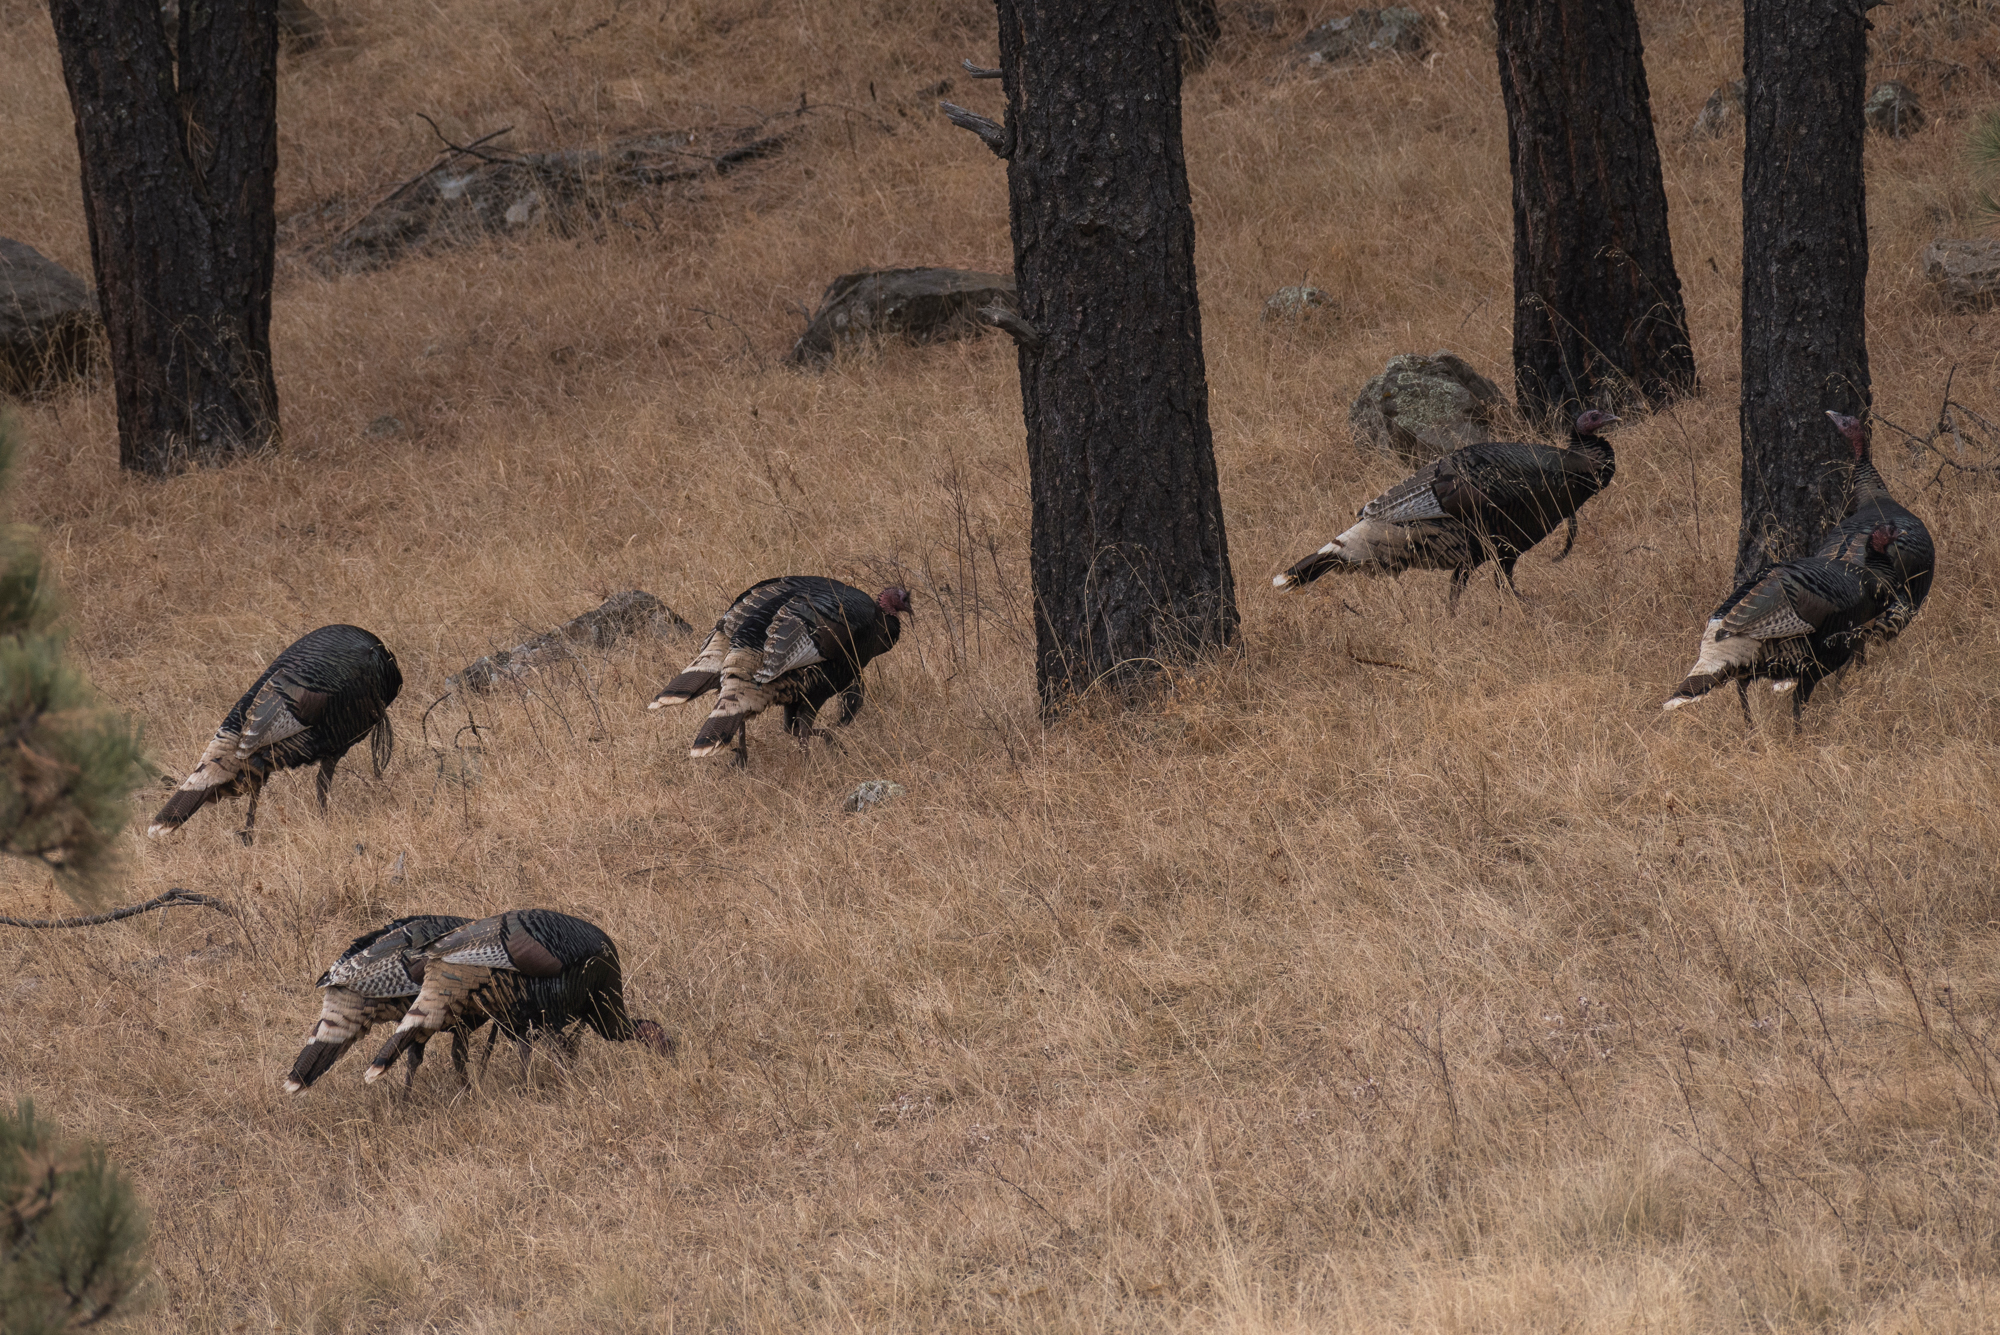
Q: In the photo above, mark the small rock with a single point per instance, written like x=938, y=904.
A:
x=1893, y=109
x=872, y=793
x=1366, y=34
x=1722, y=112
x=48, y=322
x=920, y=305
x=1965, y=273
x=1422, y=407
x=1292, y=303
x=383, y=426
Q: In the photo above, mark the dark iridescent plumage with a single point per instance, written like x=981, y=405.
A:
x=1491, y=501
x=1793, y=624
x=374, y=982
x=796, y=640
x=532, y=972
x=319, y=697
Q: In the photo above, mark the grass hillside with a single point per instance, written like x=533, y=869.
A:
x=1401, y=972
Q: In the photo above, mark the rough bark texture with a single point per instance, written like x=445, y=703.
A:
x=1805, y=267
x=1131, y=566
x=179, y=164
x=1598, y=316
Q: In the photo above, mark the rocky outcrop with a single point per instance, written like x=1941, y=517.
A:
x=1364, y=35
x=630, y=613
x=1421, y=407
x=49, y=323
x=1965, y=273
x=918, y=305
x=480, y=191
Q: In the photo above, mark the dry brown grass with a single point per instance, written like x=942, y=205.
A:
x=1469, y=994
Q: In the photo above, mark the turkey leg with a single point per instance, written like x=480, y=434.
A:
x=250, y=818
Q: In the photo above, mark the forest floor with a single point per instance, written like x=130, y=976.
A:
x=1401, y=971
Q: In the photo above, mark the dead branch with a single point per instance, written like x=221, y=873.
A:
x=171, y=899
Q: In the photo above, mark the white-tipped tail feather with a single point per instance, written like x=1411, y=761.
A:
x=1714, y=663
x=218, y=768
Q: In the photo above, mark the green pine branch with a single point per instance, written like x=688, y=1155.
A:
x=72, y=1233
x=67, y=764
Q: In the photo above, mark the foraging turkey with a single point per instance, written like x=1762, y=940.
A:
x=318, y=698
x=798, y=641
x=1491, y=501
x=1793, y=624
x=373, y=982
x=532, y=972
x=1870, y=507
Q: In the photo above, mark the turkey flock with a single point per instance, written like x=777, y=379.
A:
x=803, y=641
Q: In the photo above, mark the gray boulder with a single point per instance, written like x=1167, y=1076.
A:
x=1965, y=273
x=1422, y=407
x=48, y=322
x=1366, y=34
x=1893, y=109
x=1722, y=112
x=919, y=305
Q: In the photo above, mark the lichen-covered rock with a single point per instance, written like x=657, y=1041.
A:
x=1722, y=112
x=1366, y=34
x=1965, y=273
x=48, y=321
x=1421, y=407
x=919, y=305
x=871, y=793
x=1293, y=304
x=1893, y=109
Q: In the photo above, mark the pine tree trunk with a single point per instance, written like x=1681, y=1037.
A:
x=179, y=171
x=1598, y=316
x=1805, y=267
x=1131, y=565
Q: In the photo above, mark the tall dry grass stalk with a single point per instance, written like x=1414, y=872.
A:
x=1402, y=972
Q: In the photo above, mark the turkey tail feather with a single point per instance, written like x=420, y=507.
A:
x=406, y=1034
x=314, y=1061
x=1718, y=660
x=688, y=686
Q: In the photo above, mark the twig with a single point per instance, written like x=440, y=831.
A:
x=748, y=346
x=176, y=896
x=471, y=148
x=979, y=71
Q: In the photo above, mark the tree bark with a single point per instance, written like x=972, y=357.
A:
x=1805, y=267
x=1598, y=315
x=179, y=170
x=1131, y=564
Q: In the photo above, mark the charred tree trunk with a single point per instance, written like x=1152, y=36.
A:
x=1598, y=316
x=1131, y=566
x=1805, y=267
x=1201, y=32
x=179, y=168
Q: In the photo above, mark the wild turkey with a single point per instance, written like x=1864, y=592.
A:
x=1870, y=507
x=1793, y=624
x=318, y=698
x=373, y=982
x=798, y=641
x=1491, y=501
x=532, y=972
